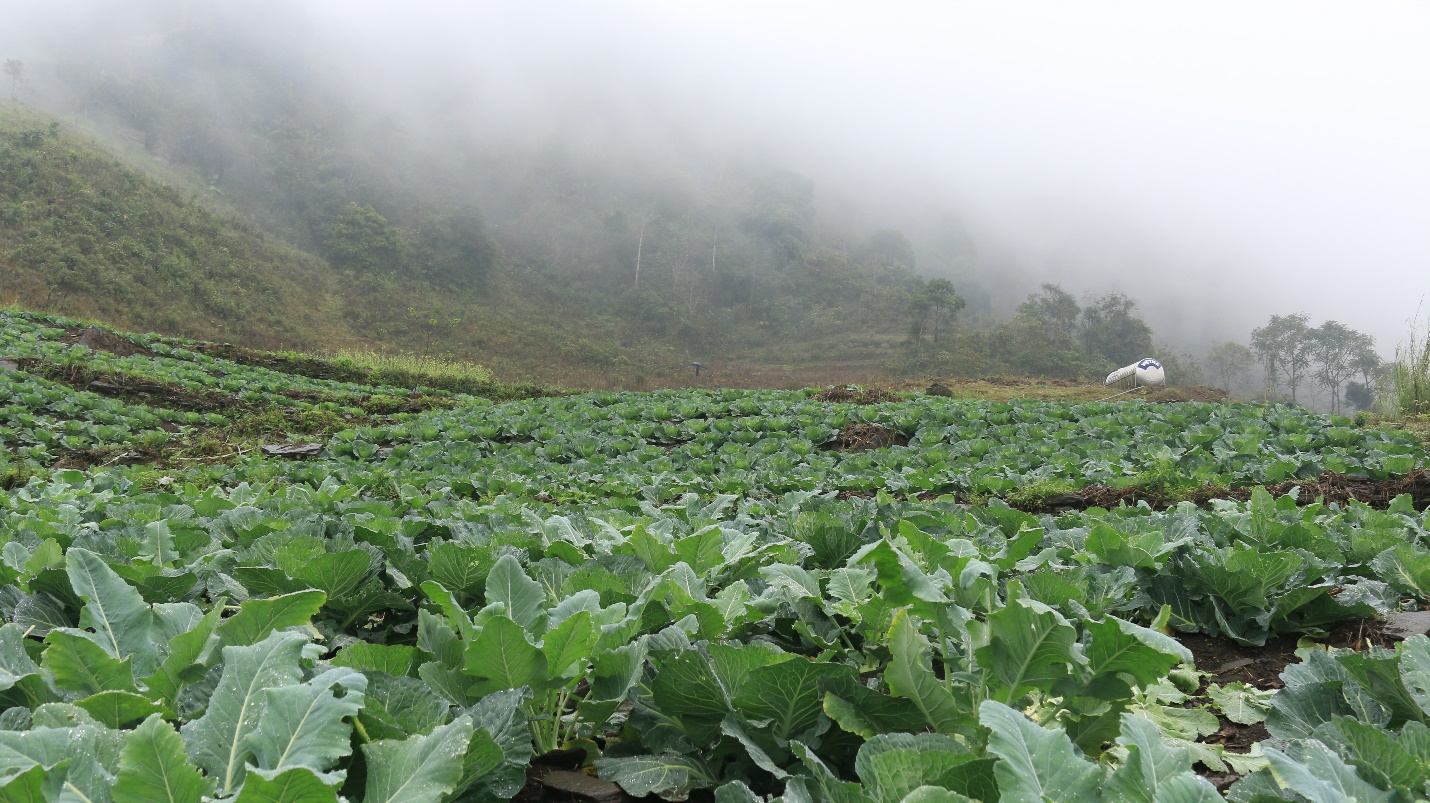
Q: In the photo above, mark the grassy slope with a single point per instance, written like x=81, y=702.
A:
x=82, y=234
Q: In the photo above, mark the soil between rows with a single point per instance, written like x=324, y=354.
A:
x=1230, y=662
x=103, y=340
x=1328, y=487
x=1226, y=661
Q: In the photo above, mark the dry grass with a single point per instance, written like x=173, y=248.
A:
x=1004, y=388
x=442, y=372
x=1405, y=391
x=743, y=375
x=872, y=376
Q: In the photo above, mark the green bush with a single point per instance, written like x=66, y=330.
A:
x=1406, y=387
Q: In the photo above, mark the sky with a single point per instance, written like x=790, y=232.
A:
x=1220, y=161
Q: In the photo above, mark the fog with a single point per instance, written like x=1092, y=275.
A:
x=1218, y=161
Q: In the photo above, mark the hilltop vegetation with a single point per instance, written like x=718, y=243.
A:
x=89, y=236
x=80, y=231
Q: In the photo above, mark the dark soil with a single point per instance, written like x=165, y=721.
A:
x=1221, y=780
x=130, y=388
x=864, y=437
x=1230, y=662
x=1342, y=488
x=1189, y=393
x=103, y=340
x=1237, y=738
x=1329, y=487
x=156, y=394
x=557, y=777
x=310, y=396
x=310, y=367
x=848, y=394
x=86, y=459
x=141, y=390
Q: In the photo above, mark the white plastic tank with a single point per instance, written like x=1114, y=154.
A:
x=1143, y=373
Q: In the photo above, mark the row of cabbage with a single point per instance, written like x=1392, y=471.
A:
x=313, y=642
x=660, y=446
x=170, y=360
x=41, y=419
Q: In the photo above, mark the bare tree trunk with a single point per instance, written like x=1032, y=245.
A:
x=677, y=272
x=640, y=243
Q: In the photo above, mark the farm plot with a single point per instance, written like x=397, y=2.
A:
x=655, y=447
x=68, y=390
x=721, y=595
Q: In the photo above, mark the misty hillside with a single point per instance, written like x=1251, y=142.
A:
x=541, y=258
x=302, y=209
x=86, y=234
x=82, y=232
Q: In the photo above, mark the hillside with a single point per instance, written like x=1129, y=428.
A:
x=311, y=212
x=89, y=230
x=80, y=232
x=84, y=233
x=93, y=226
x=306, y=215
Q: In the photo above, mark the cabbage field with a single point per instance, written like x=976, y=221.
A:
x=700, y=594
